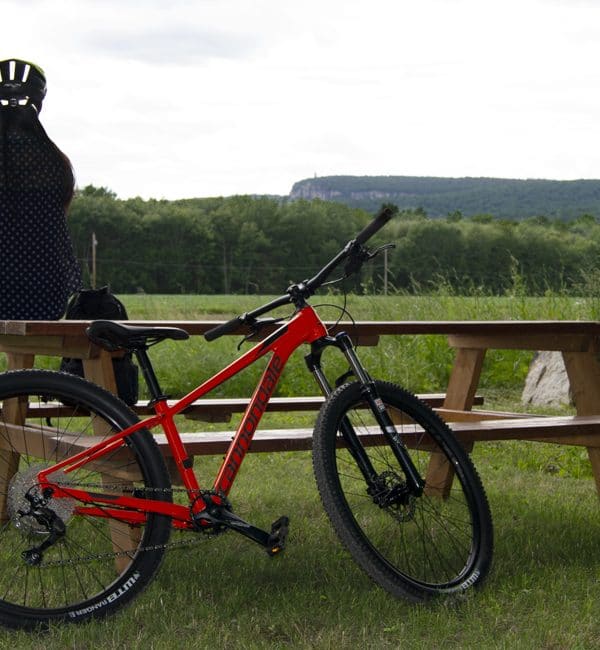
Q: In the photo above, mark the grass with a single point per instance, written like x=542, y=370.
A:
x=420, y=363
x=544, y=588
x=225, y=593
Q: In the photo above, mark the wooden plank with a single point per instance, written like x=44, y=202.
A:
x=464, y=379
x=594, y=456
x=523, y=340
x=51, y=345
x=46, y=442
x=457, y=415
x=41, y=442
x=221, y=409
x=460, y=395
x=16, y=361
x=13, y=411
x=532, y=428
x=536, y=428
x=32, y=439
x=100, y=370
x=583, y=371
x=504, y=329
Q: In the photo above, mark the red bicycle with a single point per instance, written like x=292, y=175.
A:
x=88, y=512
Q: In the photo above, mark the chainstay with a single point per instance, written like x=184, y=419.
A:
x=199, y=537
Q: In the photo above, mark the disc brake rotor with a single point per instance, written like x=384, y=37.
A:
x=398, y=502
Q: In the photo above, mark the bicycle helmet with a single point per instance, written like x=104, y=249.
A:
x=21, y=84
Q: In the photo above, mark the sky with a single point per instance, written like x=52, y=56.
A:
x=195, y=98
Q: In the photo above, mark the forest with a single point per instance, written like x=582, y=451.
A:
x=246, y=245
x=501, y=197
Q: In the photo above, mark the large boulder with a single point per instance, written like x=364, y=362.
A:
x=547, y=382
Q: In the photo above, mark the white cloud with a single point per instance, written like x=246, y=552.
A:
x=196, y=98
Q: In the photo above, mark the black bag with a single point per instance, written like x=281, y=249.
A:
x=93, y=304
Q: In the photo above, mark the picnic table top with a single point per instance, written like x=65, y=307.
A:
x=396, y=327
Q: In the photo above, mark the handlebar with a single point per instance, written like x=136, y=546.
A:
x=247, y=318
x=386, y=212
x=308, y=287
x=230, y=326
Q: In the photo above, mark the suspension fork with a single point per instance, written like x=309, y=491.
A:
x=343, y=342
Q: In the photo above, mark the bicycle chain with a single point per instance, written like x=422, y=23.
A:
x=155, y=547
x=115, y=554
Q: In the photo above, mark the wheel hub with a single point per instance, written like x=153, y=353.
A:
x=392, y=494
x=26, y=502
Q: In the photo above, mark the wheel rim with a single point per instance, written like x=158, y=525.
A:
x=96, y=559
x=431, y=540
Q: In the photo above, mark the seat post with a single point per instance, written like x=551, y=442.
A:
x=148, y=373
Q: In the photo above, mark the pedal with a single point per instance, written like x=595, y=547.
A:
x=278, y=536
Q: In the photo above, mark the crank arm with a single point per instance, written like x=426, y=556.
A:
x=272, y=542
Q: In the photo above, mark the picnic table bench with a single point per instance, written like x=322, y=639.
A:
x=577, y=340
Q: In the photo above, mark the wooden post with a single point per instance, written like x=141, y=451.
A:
x=14, y=412
x=94, y=246
x=124, y=537
x=460, y=393
x=583, y=370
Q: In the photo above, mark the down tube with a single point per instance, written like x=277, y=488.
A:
x=243, y=437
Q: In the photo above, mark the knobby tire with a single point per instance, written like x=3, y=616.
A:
x=414, y=547
x=99, y=564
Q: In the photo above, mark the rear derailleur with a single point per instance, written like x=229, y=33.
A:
x=47, y=522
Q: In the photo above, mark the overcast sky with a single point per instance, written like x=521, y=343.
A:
x=193, y=98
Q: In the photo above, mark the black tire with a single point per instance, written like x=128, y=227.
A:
x=99, y=564
x=415, y=548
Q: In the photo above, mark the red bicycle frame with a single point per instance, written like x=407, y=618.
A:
x=304, y=327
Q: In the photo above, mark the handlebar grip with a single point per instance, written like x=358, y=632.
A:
x=386, y=212
x=224, y=328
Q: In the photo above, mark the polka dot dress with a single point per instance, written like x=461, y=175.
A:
x=38, y=269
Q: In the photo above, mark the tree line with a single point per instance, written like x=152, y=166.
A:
x=246, y=244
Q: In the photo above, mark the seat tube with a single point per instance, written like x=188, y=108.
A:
x=183, y=462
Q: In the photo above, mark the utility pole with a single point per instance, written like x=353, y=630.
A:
x=385, y=271
x=94, y=245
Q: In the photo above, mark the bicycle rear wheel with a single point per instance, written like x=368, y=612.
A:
x=93, y=565
x=414, y=547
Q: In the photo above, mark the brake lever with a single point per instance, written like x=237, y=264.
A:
x=361, y=255
x=376, y=252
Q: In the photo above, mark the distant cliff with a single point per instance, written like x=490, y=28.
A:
x=504, y=198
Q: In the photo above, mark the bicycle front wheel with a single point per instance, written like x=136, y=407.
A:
x=413, y=546
x=58, y=563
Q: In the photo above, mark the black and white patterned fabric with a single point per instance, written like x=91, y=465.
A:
x=38, y=268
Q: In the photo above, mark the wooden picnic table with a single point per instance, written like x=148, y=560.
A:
x=579, y=342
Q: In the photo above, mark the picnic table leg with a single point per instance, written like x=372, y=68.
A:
x=460, y=394
x=124, y=537
x=583, y=370
x=14, y=412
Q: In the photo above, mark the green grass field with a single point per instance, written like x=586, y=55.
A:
x=544, y=588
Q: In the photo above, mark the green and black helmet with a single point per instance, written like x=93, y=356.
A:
x=21, y=84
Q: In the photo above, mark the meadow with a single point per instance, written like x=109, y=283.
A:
x=544, y=587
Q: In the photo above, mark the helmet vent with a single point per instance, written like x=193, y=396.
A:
x=21, y=84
